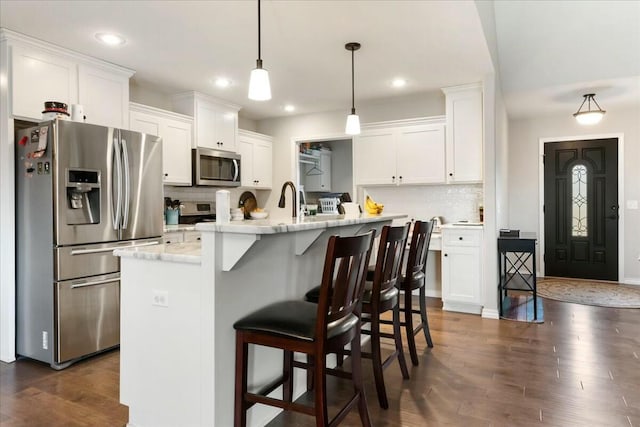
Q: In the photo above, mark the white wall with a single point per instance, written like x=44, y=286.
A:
x=524, y=202
x=148, y=96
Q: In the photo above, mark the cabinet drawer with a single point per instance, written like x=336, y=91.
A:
x=173, y=237
x=191, y=236
x=461, y=238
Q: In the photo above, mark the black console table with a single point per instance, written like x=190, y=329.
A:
x=514, y=272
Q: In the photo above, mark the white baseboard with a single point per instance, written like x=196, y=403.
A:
x=462, y=307
x=631, y=281
x=433, y=293
x=490, y=313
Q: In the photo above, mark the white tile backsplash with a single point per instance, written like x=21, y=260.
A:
x=452, y=202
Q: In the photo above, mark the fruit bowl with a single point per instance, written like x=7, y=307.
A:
x=259, y=215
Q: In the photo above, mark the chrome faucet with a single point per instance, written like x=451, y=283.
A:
x=293, y=194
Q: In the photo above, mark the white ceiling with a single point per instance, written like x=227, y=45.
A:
x=549, y=52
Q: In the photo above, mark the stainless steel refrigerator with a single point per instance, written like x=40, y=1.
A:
x=81, y=191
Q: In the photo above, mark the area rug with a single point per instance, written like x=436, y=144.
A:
x=520, y=308
x=590, y=293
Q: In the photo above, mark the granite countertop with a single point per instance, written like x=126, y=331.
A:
x=179, y=228
x=175, y=252
x=288, y=225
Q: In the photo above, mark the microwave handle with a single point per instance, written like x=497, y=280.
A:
x=237, y=169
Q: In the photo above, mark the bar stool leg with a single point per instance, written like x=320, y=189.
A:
x=376, y=359
x=408, y=321
x=287, y=375
x=398, y=340
x=310, y=365
x=356, y=369
x=320, y=398
x=240, y=410
x=423, y=315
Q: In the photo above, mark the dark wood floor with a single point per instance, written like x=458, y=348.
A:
x=579, y=368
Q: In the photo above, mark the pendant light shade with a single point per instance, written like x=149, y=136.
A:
x=259, y=87
x=589, y=116
x=353, y=121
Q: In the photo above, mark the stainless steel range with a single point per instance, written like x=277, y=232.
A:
x=194, y=212
x=81, y=192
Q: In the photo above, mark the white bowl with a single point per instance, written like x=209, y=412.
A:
x=259, y=215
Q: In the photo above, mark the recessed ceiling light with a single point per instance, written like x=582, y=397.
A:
x=399, y=82
x=289, y=108
x=110, y=39
x=222, y=82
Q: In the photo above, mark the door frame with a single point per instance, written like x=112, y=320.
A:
x=621, y=210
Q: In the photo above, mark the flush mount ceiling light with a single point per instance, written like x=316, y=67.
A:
x=353, y=121
x=399, y=82
x=259, y=87
x=589, y=116
x=289, y=108
x=110, y=39
x=222, y=82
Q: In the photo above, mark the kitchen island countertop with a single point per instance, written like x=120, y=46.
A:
x=175, y=252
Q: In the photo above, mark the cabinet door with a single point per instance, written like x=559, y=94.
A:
x=421, y=155
x=226, y=129
x=461, y=274
x=374, y=156
x=104, y=96
x=206, y=125
x=176, y=152
x=263, y=164
x=38, y=77
x=245, y=149
x=464, y=136
x=145, y=123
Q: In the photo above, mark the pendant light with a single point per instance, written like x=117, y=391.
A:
x=259, y=87
x=589, y=116
x=353, y=121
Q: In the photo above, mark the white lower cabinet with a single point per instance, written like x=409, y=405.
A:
x=462, y=269
x=180, y=237
x=256, y=162
x=176, y=132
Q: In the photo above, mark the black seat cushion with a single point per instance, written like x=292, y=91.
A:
x=292, y=319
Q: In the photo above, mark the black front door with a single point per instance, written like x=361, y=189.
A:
x=581, y=209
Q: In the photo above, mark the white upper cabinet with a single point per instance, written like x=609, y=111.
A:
x=256, y=162
x=39, y=77
x=215, y=121
x=402, y=152
x=43, y=72
x=464, y=133
x=97, y=89
x=176, y=132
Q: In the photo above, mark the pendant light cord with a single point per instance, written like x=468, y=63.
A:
x=259, y=31
x=353, y=91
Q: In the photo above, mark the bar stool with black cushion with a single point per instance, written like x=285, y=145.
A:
x=414, y=277
x=314, y=329
x=380, y=296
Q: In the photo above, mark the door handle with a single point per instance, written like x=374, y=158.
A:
x=94, y=283
x=118, y=160
x=613, y=216
x=127, y=185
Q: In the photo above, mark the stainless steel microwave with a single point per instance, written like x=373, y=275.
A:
x=215, y=168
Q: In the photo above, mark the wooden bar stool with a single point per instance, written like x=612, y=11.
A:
x=314, y=329
x=381, y=295
x=412, y=279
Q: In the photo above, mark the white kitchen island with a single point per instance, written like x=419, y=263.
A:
x=179, y=303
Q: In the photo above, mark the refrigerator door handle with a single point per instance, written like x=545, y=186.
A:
x=94, y=283
x=110, y=249
x=117, y=212
x=236, y=170
x=127, y=183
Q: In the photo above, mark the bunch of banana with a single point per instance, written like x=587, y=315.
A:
x=373, y=207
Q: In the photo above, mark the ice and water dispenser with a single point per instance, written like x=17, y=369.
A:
x=83, y=196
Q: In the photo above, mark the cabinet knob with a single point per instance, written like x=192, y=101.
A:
x=166, y=174
x=400, y=177
x=446, y=254
x=451, y=174
x=459, y=238
x=393, y=177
